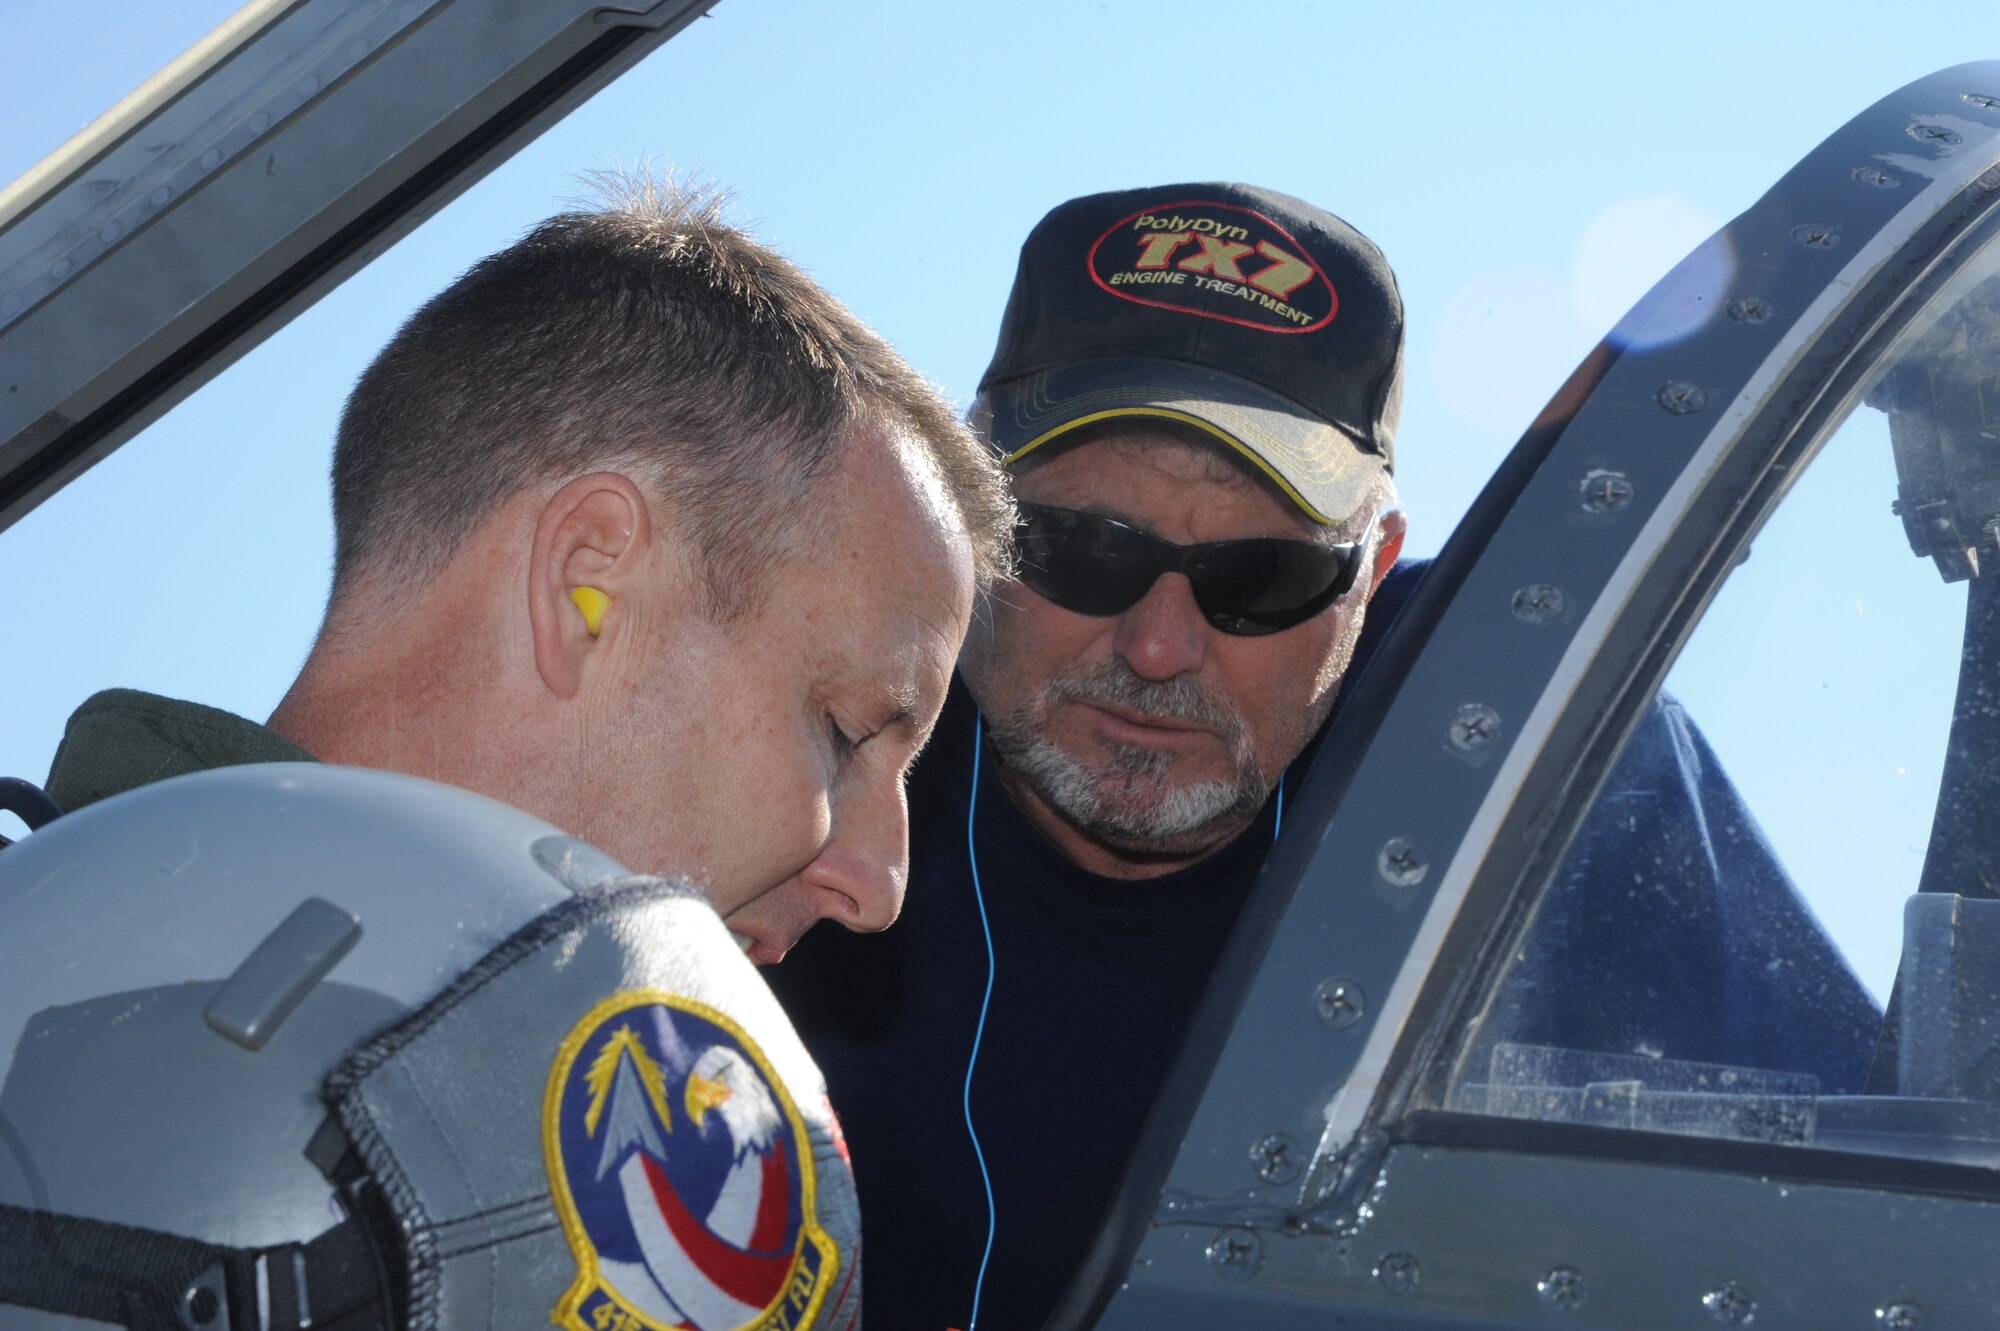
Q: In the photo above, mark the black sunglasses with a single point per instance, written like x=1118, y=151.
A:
x=1097, y=566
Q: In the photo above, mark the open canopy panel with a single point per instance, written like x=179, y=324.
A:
x=285, y=150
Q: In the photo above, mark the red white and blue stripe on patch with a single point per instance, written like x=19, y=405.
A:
x=683, y=1173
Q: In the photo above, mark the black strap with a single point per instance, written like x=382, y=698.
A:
x=331, y=1282
x=27, y=802
x=145, y=1280
x=90, y=1268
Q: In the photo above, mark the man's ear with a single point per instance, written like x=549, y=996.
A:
x=1395, y=525
x=597, y=531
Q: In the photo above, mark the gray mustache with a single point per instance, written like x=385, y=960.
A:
x=1177, y=699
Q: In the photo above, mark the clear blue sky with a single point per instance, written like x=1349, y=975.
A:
x=1528, y=169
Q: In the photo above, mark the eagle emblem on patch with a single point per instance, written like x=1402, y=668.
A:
x=683, y=1174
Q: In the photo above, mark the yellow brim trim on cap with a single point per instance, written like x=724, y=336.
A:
x=1184, y=418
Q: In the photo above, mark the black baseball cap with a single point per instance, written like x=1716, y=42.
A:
x=1267, y=322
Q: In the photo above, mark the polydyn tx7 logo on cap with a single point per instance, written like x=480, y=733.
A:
x=1216, y=260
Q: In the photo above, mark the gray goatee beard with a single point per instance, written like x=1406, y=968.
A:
x=1128, y=800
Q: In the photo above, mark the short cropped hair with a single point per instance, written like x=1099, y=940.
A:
x=646, y=336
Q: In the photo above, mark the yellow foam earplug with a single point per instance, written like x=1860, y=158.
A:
x=593, y=603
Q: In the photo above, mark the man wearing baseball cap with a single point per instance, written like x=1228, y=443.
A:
x=1196, y=390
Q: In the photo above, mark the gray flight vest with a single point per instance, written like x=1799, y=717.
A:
x=290, y=1045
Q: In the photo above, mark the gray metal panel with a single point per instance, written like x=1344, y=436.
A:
x=316, y=143
x=1630, y=498
x=1471, y=1238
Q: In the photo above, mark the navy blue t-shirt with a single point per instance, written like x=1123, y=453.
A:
x=1095, y=980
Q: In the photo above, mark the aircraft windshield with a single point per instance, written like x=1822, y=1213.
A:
x=1780, y=921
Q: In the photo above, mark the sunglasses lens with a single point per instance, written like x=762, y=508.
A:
x=1262, y=586
x=1082, y=562
x=1095, y=566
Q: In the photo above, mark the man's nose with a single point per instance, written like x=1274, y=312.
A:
x=1164, y=634
x=858, y=878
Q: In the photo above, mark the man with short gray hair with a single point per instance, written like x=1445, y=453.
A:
x=780, y=517
x=638, y=531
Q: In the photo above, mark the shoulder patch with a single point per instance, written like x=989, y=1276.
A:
x=683, y=1173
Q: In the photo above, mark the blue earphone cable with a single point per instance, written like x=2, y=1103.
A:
x=985, y=1002
x=979, y=1033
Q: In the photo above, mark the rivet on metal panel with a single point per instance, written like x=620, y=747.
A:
x=1474, y=727
x=1938, y=134
x=1877, y=177
x=1539, y=604
x=211, y=159
x=1730, y=1304
x=1902, y=1315
x=1816, y=235
x=204, y=1304
x=1983, y=101
x=1339, y=1003
x=1751, y=310
x=1296, y=1226
x=1681, y=398
x=60, y=269
x=1236, y=1254
x=1340, y=1258
x=1562, y=1287
x=1399, y=1272
x=1403, y=862
x=1276, y=1157
x=1607, y=491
